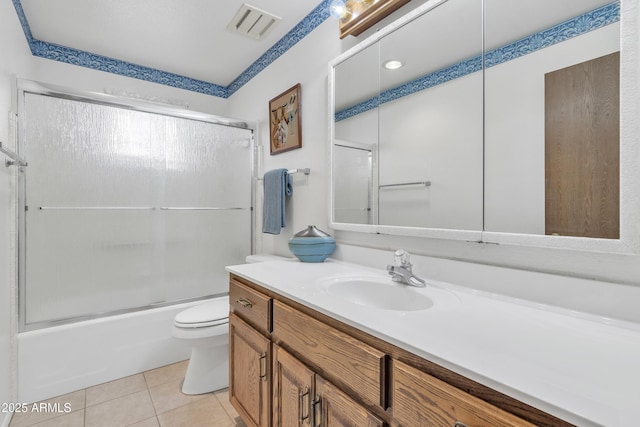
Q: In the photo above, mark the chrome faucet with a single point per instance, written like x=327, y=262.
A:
x=401, y=270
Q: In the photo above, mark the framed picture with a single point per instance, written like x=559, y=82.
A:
x=284, y=121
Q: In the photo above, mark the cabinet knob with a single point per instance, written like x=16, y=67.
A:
x=245, y=303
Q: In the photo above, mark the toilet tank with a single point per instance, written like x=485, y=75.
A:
x=252, y=259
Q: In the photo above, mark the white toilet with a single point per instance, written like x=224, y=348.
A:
x=206, y=326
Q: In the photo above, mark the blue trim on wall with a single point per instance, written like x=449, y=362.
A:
x=114, y=66
x=582, y=24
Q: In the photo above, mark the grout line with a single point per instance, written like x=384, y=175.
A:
x=222, y=404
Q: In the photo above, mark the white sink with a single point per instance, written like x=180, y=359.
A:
x=377, y=293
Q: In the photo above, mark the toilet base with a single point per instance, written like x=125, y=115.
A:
x=208, y=370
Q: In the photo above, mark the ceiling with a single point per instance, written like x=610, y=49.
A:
x=184, y=38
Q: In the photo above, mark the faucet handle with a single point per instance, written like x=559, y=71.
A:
x=401, y=258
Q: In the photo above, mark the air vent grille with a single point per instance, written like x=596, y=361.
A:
x=252, y=22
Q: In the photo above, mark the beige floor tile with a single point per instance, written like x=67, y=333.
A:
x=168, y=396
x=62, y=405
x=166, y=374
x=223, y=397
x=73, y=419
x=207, y=412
x=122, y=411
x=150, y=422
x=115, y=389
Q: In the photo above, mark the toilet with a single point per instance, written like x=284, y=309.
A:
x=206, y=327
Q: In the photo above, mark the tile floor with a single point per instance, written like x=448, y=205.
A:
x=150, y=399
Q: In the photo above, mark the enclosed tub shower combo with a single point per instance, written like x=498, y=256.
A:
x=128, y=212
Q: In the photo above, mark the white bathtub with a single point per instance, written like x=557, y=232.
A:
x=62, y=359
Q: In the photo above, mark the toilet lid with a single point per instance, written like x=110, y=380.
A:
x=210, y=313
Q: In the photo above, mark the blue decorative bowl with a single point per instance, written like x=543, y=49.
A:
x=312, y=245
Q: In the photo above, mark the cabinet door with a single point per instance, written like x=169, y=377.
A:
x=249, y=385
x=333, y=408
x=292, y=390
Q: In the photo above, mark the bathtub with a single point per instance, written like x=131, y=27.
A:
x=62, y=359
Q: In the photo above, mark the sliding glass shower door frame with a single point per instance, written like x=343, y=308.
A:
x=25, y=87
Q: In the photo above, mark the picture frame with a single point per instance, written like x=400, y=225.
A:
x=285, y=127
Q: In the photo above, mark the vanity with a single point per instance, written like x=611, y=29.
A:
x=310, y=346
x=457, y=144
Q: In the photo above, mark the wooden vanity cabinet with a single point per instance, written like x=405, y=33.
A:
x=250, y=354
x=293, y=366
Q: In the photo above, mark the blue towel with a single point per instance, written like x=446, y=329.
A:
x=277, y=185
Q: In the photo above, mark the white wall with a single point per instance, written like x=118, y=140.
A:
x=305, y=63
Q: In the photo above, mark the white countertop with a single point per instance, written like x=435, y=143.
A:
x=581, y=368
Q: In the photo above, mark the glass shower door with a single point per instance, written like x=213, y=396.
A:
x=126, y=209
x=206, y=209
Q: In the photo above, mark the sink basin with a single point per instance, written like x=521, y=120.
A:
x=378, y=293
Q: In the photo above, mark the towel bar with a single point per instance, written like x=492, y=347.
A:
x=305, y=171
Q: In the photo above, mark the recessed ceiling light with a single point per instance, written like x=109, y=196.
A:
x=393, y=64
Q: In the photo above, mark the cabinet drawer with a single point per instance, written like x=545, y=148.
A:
x=338, y=357
x=420, y=399
x=253, y=306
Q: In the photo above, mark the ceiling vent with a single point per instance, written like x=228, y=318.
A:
x=252, y=22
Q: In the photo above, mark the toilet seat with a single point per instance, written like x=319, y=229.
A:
x=211, y=313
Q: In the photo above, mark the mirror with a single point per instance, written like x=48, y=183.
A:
x=492, y=149
x=552, y=118
x=410, y=115
x=355, y=169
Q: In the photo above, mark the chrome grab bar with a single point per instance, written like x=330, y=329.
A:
x=401, y=184
x=198, y=209
x=134, y=208
x=90, y=208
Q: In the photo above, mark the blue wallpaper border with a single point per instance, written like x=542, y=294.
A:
x=571, y=28
x=114, y=66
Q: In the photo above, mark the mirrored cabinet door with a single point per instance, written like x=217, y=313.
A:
x=430, y=156
x=355, y=144
x=552, y=117
x=399, y=108
x=489, y=120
